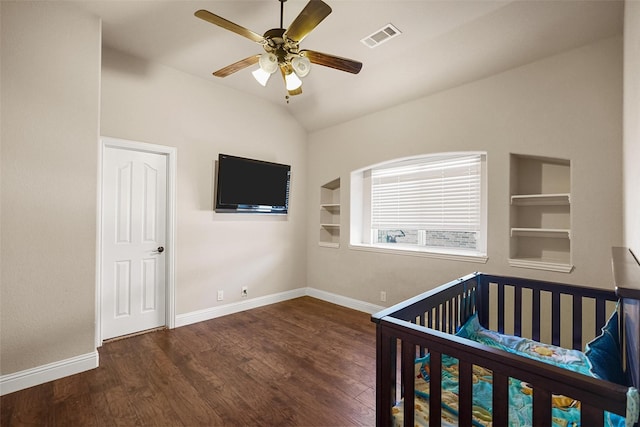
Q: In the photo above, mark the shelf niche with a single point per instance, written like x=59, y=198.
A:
x=540, y=213
x=330, y=214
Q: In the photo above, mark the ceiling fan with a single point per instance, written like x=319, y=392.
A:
x=282, y=49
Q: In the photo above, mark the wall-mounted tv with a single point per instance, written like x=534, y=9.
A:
x=253, y=186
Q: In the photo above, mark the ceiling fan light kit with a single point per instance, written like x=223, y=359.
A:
x=268, y=62
x=301, y=65
x=282, y=48
x=261, y=76
x=293, y=82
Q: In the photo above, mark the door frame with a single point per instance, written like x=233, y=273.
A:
x=170, y=244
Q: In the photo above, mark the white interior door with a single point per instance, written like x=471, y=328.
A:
x=133, y=244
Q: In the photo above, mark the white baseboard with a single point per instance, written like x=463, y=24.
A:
x=49, y=372
x=53, y=371
x=344, y=301
x=236, y=307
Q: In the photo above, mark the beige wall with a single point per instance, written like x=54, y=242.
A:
x=50, y=99
x=631, y=164
x=567, y=106
x=215, y=251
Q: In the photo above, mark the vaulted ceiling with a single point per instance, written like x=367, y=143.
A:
x=443, y=44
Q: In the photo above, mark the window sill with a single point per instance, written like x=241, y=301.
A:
x=467, y=256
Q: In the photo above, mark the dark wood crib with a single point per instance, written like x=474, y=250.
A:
x=521, y=307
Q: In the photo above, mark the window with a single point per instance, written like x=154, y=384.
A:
x=433, y=204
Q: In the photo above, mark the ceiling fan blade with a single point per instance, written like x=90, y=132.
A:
x=237, y=66
x=342, y=64
x=228, y=25
x=312, y=14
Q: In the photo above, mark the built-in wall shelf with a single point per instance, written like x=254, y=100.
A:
x=328, y=244
x=540, y=264
x=330, y=214
x=548, y=233
x=541, y=199
x=332, y=207
x=540, y=213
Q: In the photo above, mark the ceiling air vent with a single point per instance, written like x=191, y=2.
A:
x=382, y=35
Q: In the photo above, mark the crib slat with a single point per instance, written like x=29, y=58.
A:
x=600, y=315
x=435, y=390
x=482, y=300
x=475, y=302
x=577, y=322
x=452, y=317
x=555, y=318
x=541, y=407
x=465, y=393
x=517, y=312
x=500, y=308
x=408, y=383
x=500, y=400
x=444, y=316
x=590, y=417
x=456, y=313
x=535, y=327
x=385, y=374
x=422, y=351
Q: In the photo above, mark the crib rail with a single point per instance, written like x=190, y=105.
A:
x=444, y=308
x=596, y=396
x=576, y=294
x=426, y=322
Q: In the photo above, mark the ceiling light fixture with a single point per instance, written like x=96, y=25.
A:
x=268, y=62
x=294, y=69
x=301, y=65
x=282, y=48
x=292, y=80
x=261, y=76
x=268, y=65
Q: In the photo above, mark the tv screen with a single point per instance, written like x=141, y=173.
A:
x=248, y=185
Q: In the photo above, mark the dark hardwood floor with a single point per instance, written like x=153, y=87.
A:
x=302, y=362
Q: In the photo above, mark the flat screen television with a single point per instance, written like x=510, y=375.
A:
x=253, y=186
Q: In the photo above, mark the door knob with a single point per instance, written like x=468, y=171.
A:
x=160, y=249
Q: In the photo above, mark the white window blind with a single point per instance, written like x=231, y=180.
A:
x=441, y=193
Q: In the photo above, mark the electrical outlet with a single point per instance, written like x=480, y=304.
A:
x=220, y=295
x=244, y=292
x=383, y=296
